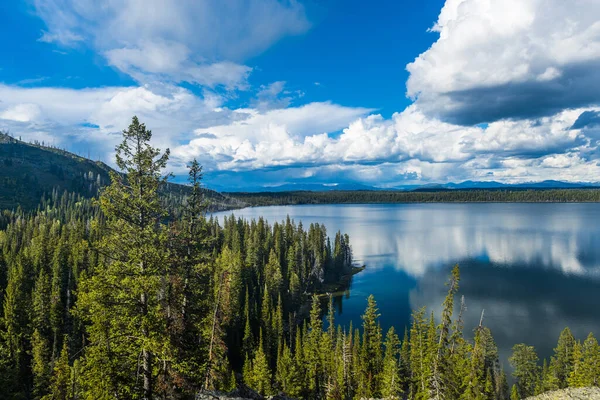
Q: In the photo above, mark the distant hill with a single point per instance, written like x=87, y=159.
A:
x=28, y=171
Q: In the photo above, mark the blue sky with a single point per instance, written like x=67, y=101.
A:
x=267, y=92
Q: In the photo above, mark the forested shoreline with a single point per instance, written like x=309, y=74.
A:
x=137, y=296
x=588, y=195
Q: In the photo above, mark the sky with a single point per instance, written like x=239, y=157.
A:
x=270, y=92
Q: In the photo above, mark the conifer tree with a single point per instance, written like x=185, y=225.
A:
x=526, y=370
x=441, y=359
x=312, y=349
x=259, y=377
x=514, y=393
x=123, y=296
x=418, y=356
x=561, y=363
x=40, y=364
x=61, y=377
x=405, y=371
x=574, y=379
x=372, y=345
x=587, y=370
x=391, y=384
x=476, y=379
x=247, y=340
x=225, y=304
x=288, y=374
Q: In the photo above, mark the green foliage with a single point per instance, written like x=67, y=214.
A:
x=391, y=381
x=259, y=374
x=562, y=362
x=586, y=369
x=524, y=360
x=423, y=196
x=60, y=385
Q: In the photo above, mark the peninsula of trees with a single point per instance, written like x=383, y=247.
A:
x=135, y=296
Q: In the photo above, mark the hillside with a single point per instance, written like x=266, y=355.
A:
x=28, y=171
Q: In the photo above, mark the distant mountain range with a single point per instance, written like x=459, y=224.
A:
x=466, y=185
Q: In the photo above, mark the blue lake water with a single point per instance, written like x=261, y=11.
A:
x=534, y=268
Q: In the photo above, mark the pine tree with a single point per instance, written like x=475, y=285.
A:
x=61, y=377
x=476, y=380
x=120, y=300
x=574, y=379
x=514, y=393
x=441, y=359
x=288, y=375
x=418, y=356
x=40, y=364
x=248, y=340
x=405, y=371
x=259, y=378
x=187, y=296
x=391, y=384
x=526, y=370
x=561, y=363
x=225, y=304
x=460, y=350
x=312, y=349
x=587, y=364
x=372, y=345
x=545, y=381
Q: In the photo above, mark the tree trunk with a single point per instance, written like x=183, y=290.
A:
x=146, y=355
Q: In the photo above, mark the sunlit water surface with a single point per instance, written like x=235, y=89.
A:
x=534, y=268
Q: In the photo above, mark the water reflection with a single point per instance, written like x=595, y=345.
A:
x=534, y=268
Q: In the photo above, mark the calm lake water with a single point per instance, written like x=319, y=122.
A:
x=534, y=268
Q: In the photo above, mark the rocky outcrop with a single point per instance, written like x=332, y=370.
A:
x=243, y=393
x=570, y=394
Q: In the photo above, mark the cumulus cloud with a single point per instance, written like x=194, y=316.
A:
x=202, y=42
x=512, y=59
x=409, y=146
x=93, y=118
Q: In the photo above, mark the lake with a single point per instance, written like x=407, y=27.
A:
x=534, y=268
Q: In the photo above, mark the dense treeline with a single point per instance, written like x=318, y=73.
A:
x=447, y=196
x=137, y=296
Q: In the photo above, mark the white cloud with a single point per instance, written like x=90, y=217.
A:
x=509, y=59
x=409, y=146
x=23, y=112
x=66, y=114
x=201, y=42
